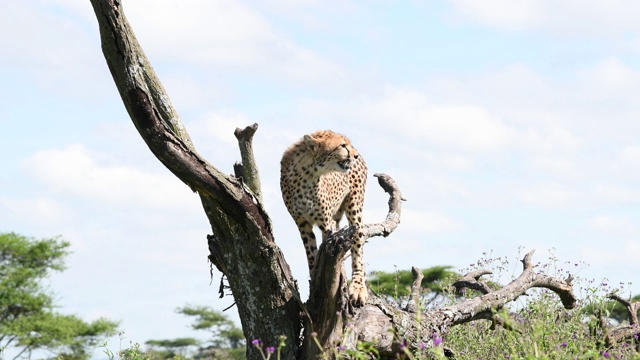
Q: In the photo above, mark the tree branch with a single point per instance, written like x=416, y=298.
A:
x=416, y=290
x=630, y=306
x=395, y=206
x=242, y=245
x=386, y=319
x=476, y=308
x=625, y=332
x=472, y=281
x=249, y=166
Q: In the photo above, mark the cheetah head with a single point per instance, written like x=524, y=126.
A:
x=332, y=151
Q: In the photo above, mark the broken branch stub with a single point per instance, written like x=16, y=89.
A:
x=250, y=171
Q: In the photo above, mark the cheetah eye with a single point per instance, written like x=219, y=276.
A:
x=344, y=145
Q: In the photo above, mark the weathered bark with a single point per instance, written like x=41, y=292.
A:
x=242, y=245
x=250, y=174
x=416, y=290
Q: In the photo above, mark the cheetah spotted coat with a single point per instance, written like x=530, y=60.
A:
x=323, y=177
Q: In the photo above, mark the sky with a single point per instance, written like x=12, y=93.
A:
x=509, y=126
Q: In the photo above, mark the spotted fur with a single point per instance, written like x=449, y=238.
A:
x=323, y=177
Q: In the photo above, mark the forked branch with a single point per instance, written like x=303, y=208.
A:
x=482, y=307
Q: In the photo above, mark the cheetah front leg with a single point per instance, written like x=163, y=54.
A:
x=310, y=243
x=358, y=290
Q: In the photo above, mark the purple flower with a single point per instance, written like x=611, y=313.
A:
x=437, y=340
x=270, y=350
x=342, y=348
x=564, y=344
x=605, y=354
x=422, y=345
x=255, y=342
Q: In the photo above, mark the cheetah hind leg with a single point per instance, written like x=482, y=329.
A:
x=358, y=290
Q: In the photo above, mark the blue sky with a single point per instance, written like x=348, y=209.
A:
x=508, y=125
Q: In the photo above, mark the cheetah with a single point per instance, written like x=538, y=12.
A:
x=322, y=177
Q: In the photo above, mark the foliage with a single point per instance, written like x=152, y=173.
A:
x=226, y=341
x=396, y=286
x=613, y=309
x=224, y=332
x=171, y=348
x=27, y=319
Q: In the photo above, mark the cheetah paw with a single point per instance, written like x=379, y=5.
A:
x=358, y=294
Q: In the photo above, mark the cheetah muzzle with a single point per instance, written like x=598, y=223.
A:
x=344, y=164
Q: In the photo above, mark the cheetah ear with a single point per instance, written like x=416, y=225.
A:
x=312, y=144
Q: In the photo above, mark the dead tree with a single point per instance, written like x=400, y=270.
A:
x=242, y=245
x=624, y=332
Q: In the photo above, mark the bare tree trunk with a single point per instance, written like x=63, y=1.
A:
x=242, y=245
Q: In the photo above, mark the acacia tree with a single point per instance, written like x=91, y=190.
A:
x=243, y=248
x=28, y=319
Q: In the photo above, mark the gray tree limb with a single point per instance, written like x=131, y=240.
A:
x=242, y=244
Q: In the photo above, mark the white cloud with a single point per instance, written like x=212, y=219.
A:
x=413, y=115
x=466, y=127
x=550, y=139
x=40, y=211
x=422, y=222
x=614, y=193
x=552, y=195
x=623, y=256
x=631, y=154
x=219, y=125
x=573, y=17
x=56, y=51
x=627, y=163
x=614, y=225
x=224, y=33
x=75, y=170
x=514, y=14
x=611, y=84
